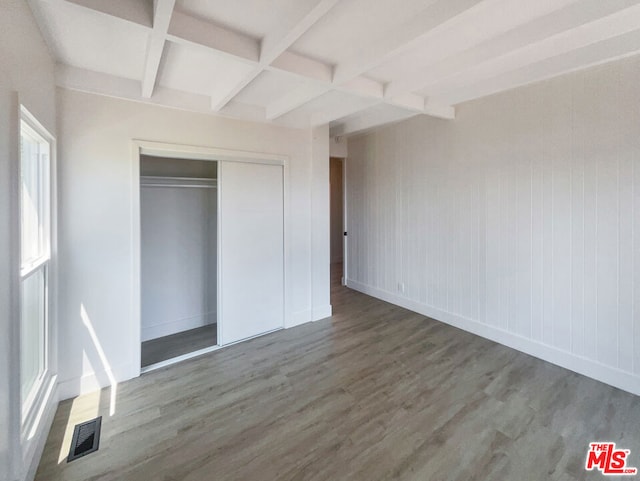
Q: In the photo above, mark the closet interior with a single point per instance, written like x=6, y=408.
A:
x=179, y=268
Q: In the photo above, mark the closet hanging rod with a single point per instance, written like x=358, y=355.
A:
x=194, y=182
x=182, y=186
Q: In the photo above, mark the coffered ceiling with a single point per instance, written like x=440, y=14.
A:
x=355, y=64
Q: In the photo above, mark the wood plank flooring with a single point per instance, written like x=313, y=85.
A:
x=168, y=347
x=375, y=392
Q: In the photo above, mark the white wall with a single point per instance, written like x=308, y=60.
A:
x=517, y=221
x=178, y=251
x=26, y=76
x=338, y=147
x=319, y=218
x=96, y=179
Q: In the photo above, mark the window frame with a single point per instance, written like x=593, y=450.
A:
x=31, y=403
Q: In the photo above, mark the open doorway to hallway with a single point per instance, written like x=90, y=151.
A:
x=338, y=235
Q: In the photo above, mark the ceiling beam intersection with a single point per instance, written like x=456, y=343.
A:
x=275, y=44
x=162, y=11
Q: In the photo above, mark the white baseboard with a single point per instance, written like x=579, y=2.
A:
x=180, y=325
x=299, y=317
x=588, y=367
x=95, y=381
x=321, y=312
x=308, y=315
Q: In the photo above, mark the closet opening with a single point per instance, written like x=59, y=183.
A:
x=178, y=259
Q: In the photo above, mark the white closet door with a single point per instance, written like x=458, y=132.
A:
x=251, y=249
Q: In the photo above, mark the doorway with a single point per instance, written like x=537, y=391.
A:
x=337, y=221
x=179, y=265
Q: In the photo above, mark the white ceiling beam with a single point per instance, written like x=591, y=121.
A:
x=187, y=30
x=368, y=120
x=609, y=27
x=135, y=11
x=74, y=78
x=330, y=115
x=563, y=20
x=363, y=87
x=421, y=105
x=288, y=62
x=440, y=110
x=410, y=101
x=162, y=11
x=606, y=51
x=294, y=99
x=275, y=43
x=436, y=17
x=293, y=26
x=233, y=87
x=303, y=67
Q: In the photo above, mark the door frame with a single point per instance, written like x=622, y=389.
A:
x=190, y=152
x=345, y=238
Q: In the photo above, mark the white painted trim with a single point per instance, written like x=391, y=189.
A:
x=298, y=318
x=162, y=11
x=587, y=367
x=177, y=359
x=34, y=427
x=253, y=337
x=181, y=151
x=219, y=305
x=41, y=388
x=136, y=253
x=13, y=396
x=321, y=312
x=93, y=381
x=287, y=234
x=345, y=218
x=40, y=440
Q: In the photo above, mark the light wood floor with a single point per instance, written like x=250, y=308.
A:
x=373, y=393
x=168, y=347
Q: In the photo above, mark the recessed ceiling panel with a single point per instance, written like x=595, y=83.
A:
x=338, y=104
x=198, y=70
x=327, y=107
x=256, y=18
x=269, y=86
x=94, y=41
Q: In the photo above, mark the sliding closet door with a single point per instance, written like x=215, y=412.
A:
x=251, y=249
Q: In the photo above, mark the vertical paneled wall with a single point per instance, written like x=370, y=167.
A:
x=517, y=221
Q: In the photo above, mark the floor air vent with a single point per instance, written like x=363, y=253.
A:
x=86, y=439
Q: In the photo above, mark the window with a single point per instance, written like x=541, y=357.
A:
x=35, y=255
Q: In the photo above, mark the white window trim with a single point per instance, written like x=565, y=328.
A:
x=32, y=407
